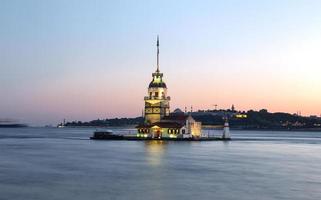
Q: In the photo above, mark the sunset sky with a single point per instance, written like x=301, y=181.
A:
x=83, y=60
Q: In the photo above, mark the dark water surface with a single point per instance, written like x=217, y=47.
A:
x=50, y=163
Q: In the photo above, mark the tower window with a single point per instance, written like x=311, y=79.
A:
x=156, y=94
x=150, y=94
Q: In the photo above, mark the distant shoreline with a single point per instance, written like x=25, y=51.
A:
x=213, y=119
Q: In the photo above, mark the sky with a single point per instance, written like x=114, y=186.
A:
x=84, y=60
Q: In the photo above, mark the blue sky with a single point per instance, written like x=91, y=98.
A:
x=84, y=60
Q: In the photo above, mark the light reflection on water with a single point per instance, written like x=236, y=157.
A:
x=154, y=151
x=39, y=163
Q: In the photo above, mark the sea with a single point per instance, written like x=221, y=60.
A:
x=64, y=164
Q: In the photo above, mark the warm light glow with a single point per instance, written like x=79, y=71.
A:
x=155, y=150
x=172, y=136
x=241, y=116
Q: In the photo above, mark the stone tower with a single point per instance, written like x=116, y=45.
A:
x=157, y=101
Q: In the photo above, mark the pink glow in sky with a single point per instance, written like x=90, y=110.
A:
x=85, y=60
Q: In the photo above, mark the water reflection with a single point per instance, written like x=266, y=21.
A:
x=155, y=150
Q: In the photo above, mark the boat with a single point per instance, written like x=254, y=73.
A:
x=8, y=123
x=13, y=125
x=106, y=134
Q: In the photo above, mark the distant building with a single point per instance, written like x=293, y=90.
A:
x=158, y=121
x=221, y=113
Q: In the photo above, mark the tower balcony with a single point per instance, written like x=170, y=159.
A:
x=156, y=98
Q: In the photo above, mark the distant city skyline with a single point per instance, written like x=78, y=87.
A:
x=83, y=60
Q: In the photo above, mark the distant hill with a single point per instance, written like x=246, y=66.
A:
x=261, y=120
x=106, y=122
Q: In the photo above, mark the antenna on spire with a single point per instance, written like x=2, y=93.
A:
x=157, y=54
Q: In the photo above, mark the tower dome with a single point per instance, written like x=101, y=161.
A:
x=157, y=81
x=153, y=84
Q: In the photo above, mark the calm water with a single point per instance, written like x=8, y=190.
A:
x=44, y=163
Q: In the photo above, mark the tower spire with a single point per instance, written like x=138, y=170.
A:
x=157, y=54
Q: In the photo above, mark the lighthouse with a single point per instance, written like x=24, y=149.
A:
x=226, y=130
x=156, y=101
